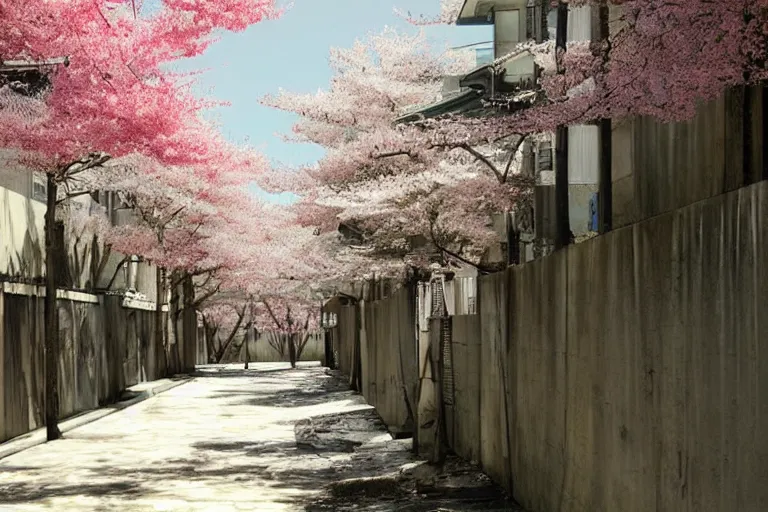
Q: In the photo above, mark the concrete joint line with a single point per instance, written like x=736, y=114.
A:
x=37, y=437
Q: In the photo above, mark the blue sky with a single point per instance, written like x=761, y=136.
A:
x=292, y=53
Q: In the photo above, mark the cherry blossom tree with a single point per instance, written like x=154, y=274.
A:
x=113, y=98
x=373, y=168
x=449, y=12
x=223, y=319
x=291, y=321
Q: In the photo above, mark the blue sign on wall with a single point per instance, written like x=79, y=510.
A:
x=593, y=224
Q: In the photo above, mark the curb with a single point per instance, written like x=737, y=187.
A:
x=37, y=437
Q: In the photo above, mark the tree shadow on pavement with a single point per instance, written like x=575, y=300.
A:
x=23, y=493
x=290, y=389
x=252, y=460
x=240, y=373
x=261, y=468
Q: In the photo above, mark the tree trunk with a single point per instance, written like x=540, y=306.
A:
x=51, y=323
x=174, y=317
x=189, y=324
x=292, y=349
x=210, y=334
x=224, y=347
x=247, y=352
x=159, y=296
x=302, y=344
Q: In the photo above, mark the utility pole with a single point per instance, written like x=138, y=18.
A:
x=563, y=235
x=605, y=129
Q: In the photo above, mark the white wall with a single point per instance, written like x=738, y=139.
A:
x=583, y=161
x=22, y=243
x=22, y=238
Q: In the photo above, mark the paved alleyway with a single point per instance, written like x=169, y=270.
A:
x=224, y=441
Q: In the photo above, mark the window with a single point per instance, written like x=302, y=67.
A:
x=506, y=33
x=536, y=20
x=544, y=157
x=551, y=23
x=471, y=305
x=530, y=19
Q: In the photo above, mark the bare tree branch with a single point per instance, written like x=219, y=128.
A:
x=272, y=314
x=73, y=195
x=223, y=349
x=480, y=268
x=207, y=295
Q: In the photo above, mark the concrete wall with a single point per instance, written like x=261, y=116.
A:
x=627, y=373
x=390, y=359
x=388, y=354
x=105, y=347
x=660, y=167
x=633, y=366
x=260, y=351
x=467, y=384
x=343, y=338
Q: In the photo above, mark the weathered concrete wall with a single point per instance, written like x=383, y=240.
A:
x=105, y=347
x=390, y=359
x=535, y=365
x=467, y=382
x=260, y=350
x=627, y=373
x=492, y=308
x=659, y=167
x=635, y=366
x=388, y=355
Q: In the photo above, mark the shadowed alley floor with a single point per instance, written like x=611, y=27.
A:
x=224, y=441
